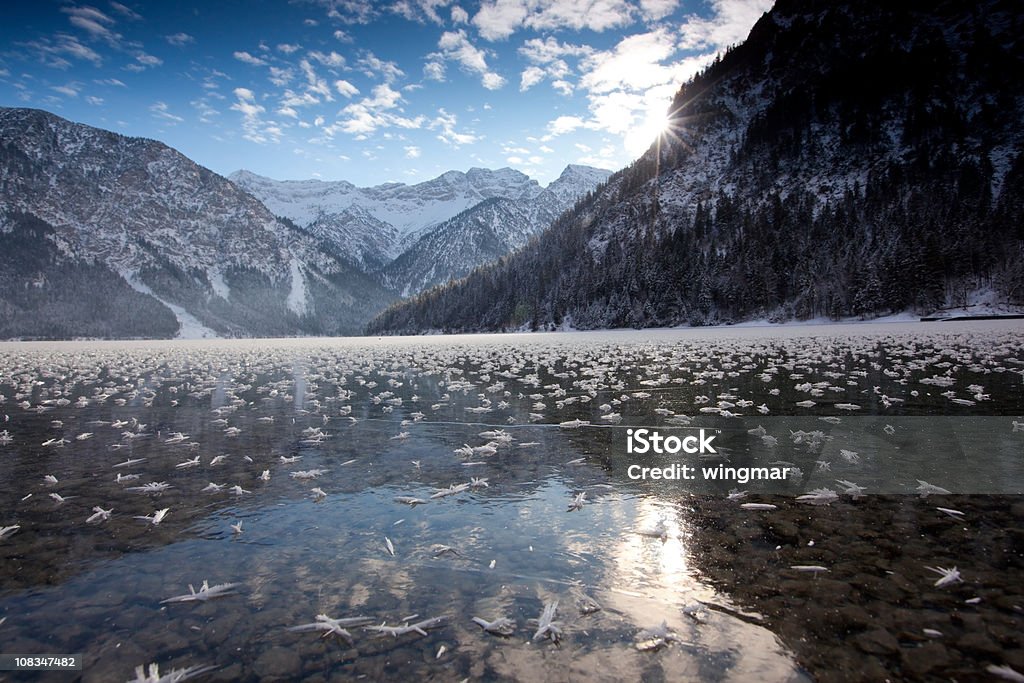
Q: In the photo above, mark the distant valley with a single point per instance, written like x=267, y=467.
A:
x=108, y=236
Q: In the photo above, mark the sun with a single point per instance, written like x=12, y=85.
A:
x=651, y=128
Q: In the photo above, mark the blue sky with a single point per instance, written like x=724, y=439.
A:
x=370, y=92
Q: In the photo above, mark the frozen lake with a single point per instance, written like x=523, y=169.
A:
x=403, y=479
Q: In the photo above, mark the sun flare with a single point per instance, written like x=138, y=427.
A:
x=652, y=127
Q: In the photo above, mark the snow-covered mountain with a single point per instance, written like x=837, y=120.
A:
x=847, y=159
x=389, y=228
x=106, y=235
x=484, y=233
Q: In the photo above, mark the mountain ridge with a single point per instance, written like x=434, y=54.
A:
x=136, y=216
x=387, y=228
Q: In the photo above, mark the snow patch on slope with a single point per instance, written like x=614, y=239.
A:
x=220, y=287
x=298, y=297
x=189, y=326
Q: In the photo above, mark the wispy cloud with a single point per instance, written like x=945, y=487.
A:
x=329, y=59
x=68, y=89
x=254, y=128
x=94, y=22
x=455, y=46
x=248, y=58
x=162, y=111
x=207, y=113
x=52, y=51
x=445, y=123
x=421, y=11
x=281, y=76
x=126, y=12
x=315, y=85
x=142, y=62
x=374, y=67
x=349, y=11
x=179, y=39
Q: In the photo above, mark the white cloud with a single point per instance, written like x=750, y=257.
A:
x=548, y=61
x=254, y=128
x=148, y=60
x=94, y=22
x=383, y=97
x=548, y=50
x=179, y=39
x=498, y=19
x=459, y=15
x=412, y=152
x=374, y=67
x=445, y=122
x=729, y=23
x=288, y=48
x=281, y=76
x=206, y=112
x=294, y=99
x=456, y=46
x=50, y=52
x=331, y=59
x=374, y=112
x=658, y=9
x=493, y=81
x=315, y=84
x=126, y=12
x=563, y=87
x=606, y=157
x=531, y=76
x=243, y=56
x=564, y=124
x=345, y=88
x=434, y=71
x=93, y=100
x=162, y=111
x=419, y=10
x=349, y=11
x=111, y=81
x=635, y=63
x=68, y=90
